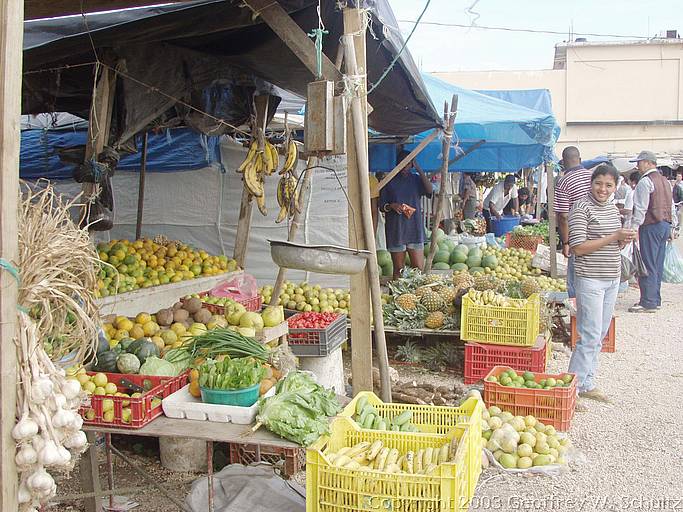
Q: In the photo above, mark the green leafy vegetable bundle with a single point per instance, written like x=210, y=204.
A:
x=231, y=374
x=299, y=409
x=221, y=341
x=540, y=229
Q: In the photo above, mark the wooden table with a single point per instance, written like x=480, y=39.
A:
x=205, y=430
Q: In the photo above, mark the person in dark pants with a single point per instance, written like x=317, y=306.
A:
x=405, y=231
x=652, y=217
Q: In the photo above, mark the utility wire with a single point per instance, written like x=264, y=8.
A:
x=398, y=55
x=529, y=30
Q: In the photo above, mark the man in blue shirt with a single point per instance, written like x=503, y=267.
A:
x=405, y=232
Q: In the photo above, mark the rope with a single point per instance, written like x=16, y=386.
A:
x=14, y=271
x=398, y=55
x=317, y=34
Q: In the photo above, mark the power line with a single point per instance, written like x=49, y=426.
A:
x=529, y=30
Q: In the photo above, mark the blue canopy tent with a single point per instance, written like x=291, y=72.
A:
x=490, y=135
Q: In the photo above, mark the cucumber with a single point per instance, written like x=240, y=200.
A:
x=375, y=424
x=382, y=425
x=369, y=421
x=360, y=405
x=395, y=428
x=364, y=414
x=403, y=418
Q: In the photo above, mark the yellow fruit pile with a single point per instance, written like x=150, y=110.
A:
x=305, y=297
x=144, y=263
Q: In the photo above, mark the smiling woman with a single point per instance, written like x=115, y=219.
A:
x=595, y=237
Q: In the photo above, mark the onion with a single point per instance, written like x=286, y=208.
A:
x=24, y=429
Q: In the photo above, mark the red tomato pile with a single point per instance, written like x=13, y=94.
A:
x=311, y=320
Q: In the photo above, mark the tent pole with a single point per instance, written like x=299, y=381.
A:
x=538, y=192
x=244, y=221
x=552, y=224
x=11, y=37
x=141, y=187
x=359, y=191
x=418, y=149
x=449, y=120
x=294, y=226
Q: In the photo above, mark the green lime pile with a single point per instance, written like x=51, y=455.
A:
x=510, y=378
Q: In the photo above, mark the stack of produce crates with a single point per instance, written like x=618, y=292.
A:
x=331, y=486
x=500, y=335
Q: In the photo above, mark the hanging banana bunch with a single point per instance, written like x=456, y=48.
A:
x=262, y=159
x=287, y=190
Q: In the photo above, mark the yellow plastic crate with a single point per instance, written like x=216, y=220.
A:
x=501, y=325
x=333, y=489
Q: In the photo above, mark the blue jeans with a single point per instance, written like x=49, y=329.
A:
x=571, y=291
x=595, y=300
x=652, y=239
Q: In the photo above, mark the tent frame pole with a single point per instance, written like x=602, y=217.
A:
x=449, y=120
x=552, y=220
x=418, y=149
x=141, y=187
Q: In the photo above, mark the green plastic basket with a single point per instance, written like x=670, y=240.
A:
x=241, y=397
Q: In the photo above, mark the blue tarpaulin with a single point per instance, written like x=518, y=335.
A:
x=176, y=149
x=535, y=99
x=514, y=136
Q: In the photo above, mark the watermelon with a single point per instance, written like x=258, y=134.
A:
x=383, y=258
x=462, y=247
x=457, y=256
x=426, y=251
x=476, y=270
x=439, y=265
x=442, y=257
x=474, y=251
x=489, y=261
x=440, y=235
x=473, y=261
x=459, y=267
x=388, y=269
x=450, y=245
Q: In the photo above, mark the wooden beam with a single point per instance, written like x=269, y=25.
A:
x=90, y=475
x=418, y=149
x=449, y=119
x=244, y=221
x=11, y=40
x=294, y=37
x=361, y=334
x=141, y=187
x=552, y=220
x=36, y=9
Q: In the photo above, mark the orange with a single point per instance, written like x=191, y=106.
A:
x=194, y=389
x=194, y=374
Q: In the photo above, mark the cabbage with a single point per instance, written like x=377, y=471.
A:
x=179, y=358
x=158, y=367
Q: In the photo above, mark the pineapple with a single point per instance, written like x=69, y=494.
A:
x=483, y=282
x=435, y=320
x=529, y=286
x=447, y=294
x=462, y=280
x=422, y=290
x=432, y=301
x=432, y=279
x=407, y=301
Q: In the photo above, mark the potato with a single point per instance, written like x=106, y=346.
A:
x=203, y=316
x=165, y=317
x=192, y=305
x=180, y=315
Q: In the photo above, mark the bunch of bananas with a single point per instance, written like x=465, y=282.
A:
x=261, y=161
x=287, y=192
x=491, y=298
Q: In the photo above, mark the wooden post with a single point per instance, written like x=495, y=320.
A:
x=90, y=475
x=552, y=221
x=244, y=221
x=361, y=336
x=294, y=226
x=538, y=193
x=11, y=39
x=418, y=149
x=141, y=188
x=449, y=120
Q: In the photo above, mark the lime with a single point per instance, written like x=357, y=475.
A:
x=567, y=378
x=528, y=376
x=542, y=382
x=550, y=382
x=529, y=383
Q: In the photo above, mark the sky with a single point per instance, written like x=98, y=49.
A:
x=439, y=48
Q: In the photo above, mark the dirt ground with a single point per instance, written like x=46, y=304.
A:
x=631, y=448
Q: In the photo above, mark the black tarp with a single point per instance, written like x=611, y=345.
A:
x=186, y=49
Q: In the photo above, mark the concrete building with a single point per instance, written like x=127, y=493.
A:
x=608, y=97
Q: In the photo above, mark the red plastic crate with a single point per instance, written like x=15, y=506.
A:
x=317, y=342
x=292, y=460
x=609, y=344
x=480, y=358
x=250, y=304
x=141, y=410
x=551, y=406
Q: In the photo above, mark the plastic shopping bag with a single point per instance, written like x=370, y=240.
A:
x=242, y=286
x=632, y=263
x=673, y=265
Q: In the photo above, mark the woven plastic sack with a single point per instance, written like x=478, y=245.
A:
x=673, y=265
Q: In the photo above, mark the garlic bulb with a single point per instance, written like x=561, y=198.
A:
x=26, y=456
x=24, y=429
